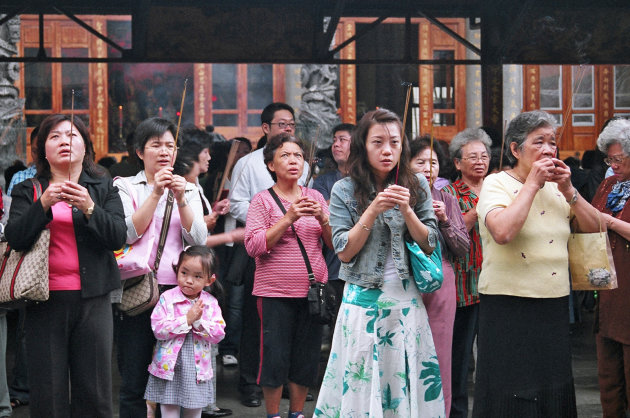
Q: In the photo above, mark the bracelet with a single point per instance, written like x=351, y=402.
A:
x=363, y=225
x=574, y=198
x=184, y=204
x=325, y=223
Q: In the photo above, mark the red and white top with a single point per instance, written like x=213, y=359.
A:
x=281, y=271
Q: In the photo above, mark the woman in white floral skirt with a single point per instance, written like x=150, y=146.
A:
x=382, y=361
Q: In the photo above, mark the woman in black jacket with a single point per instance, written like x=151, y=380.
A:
x=70, y=335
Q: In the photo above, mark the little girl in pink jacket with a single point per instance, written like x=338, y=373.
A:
x=186, y=321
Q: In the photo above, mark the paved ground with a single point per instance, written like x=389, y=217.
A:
x=584, y=369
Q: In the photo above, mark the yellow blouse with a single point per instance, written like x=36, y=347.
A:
x=536, y=262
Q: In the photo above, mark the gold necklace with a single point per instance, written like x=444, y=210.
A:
x=287, y=197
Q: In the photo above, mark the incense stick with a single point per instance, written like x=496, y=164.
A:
x=71, y=128
x=311, y=156
x=179, y=121
x=404, y=123
x=431, y=159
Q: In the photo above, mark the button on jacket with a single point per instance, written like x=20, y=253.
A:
x=387, y=234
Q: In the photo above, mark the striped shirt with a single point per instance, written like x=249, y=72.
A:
x=468, y=267
x=281, y=271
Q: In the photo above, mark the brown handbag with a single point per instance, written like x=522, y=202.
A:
x=24, y=274
x=142, y=293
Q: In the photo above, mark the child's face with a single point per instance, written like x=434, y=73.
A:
x=190, y=277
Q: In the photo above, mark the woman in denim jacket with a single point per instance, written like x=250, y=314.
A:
x=382, y=360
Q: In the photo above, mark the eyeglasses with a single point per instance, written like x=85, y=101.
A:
x=155, y=146
x=474, y=158
x=615, y=159
x=283, y=125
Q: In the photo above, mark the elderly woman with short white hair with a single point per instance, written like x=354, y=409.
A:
x=613, y=323
x=526, y=216
x=470, y=150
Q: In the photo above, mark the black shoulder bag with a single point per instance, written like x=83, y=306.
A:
x=321, y=301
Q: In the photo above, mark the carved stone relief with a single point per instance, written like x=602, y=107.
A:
x=12, y=126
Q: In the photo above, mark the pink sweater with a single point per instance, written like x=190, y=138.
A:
x=280, y=270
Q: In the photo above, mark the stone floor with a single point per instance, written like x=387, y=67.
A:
x=584, y=369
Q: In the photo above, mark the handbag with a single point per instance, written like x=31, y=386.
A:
x=426, y=269
x=24, y=274
x=133, y=259
x=321, y=300
x=590, y=261
x=142, y=293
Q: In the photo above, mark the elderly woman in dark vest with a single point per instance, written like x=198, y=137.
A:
x=613, y=323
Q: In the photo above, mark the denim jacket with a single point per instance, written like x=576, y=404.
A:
x=387, y=234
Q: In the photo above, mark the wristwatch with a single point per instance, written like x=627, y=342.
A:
x=90, y=210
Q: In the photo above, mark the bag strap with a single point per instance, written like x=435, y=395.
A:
x=168, y=211
x=37, y=188
x=311, y=276
x=130, y=189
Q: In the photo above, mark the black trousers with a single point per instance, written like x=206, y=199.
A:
x=249, y=353
x=69, y=351
x=134, y=346
x=464, y=332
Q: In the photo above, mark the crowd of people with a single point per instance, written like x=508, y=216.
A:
x=235, y=265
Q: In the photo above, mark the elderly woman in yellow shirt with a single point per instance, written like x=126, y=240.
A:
x=524, y=361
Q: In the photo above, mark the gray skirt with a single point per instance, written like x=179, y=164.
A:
x=183, y=390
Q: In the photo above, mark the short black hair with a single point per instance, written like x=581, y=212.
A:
x=268, y=112
x=151, y=128
x=343, y=127
x=194, y=140
x=274, y=143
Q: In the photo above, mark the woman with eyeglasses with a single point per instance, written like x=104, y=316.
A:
x=526, y=215
x=144, y=200
x=613, y=324
x=470, y=150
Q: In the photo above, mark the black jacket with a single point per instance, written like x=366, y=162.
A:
x=97, y=237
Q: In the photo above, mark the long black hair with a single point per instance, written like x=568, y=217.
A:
x=360, y=170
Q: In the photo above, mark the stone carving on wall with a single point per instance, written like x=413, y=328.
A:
x=318, y=108
x=12, y=127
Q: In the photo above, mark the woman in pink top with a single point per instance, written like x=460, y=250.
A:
x=290, y=338
x=144, y=200
x=69, y=337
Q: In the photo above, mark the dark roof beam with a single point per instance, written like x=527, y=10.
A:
x=450, y=32
x=90, y=29
x=359, y=34
x=11, y=15
x=331, y=28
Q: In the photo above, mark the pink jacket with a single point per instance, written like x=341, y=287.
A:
x=170, y=327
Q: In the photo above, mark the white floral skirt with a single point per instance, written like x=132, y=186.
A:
x=382, y=361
